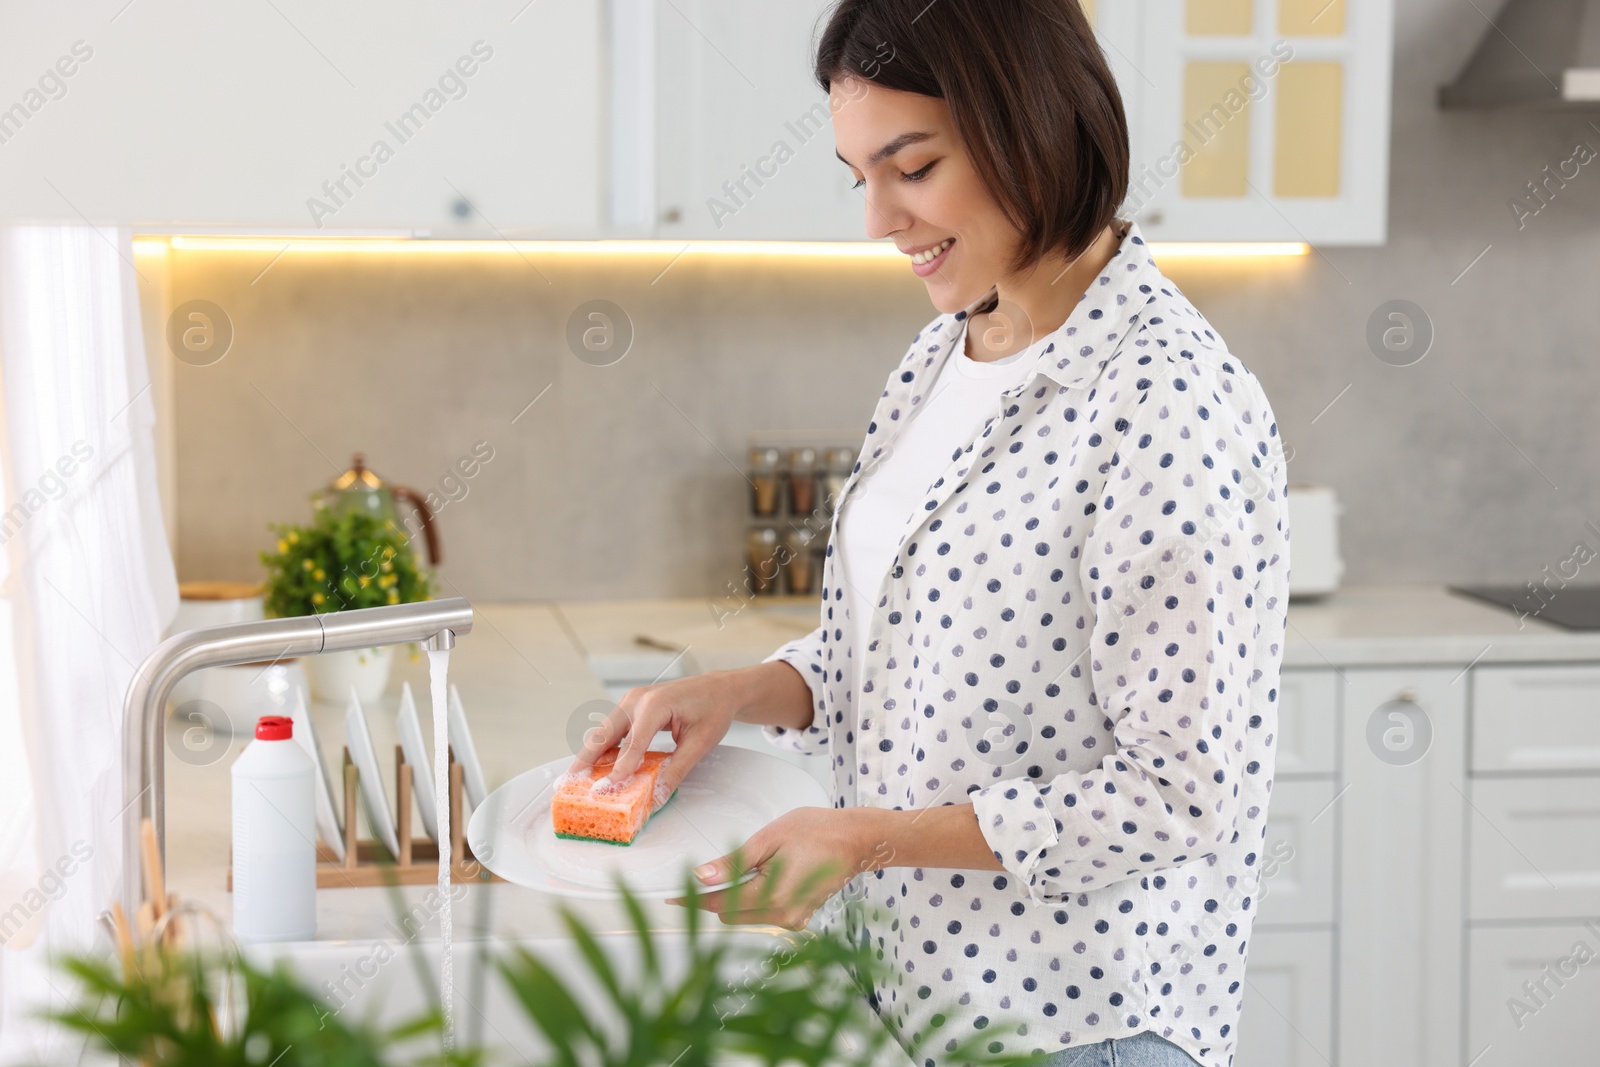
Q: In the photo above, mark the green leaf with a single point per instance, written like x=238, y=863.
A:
x=642, y=932
x=544, y=997
x=626, y=1003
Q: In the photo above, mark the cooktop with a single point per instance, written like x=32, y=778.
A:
x=1577, y=607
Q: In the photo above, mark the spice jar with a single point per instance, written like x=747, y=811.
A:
x=761, y=546
x=802, y=481
x=836, y=472
x=766, y=479
x=802, y=569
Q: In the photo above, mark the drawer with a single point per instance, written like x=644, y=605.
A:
x=1287, y=1017
x=1559, y=1026
x=1297, y=875
x=1308, y=726
x=1534, y=848
x=1536, y=718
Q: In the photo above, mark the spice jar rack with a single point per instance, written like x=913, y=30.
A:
x=793, y=489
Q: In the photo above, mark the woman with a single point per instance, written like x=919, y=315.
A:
x=1055, y=595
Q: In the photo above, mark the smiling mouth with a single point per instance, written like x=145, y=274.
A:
x=933, y=253
x=926, y=262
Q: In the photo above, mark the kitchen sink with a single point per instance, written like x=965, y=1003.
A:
x=392, y=979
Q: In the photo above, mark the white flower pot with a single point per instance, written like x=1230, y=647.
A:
x=333, y=673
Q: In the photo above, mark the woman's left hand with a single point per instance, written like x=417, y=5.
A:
x=803, y=858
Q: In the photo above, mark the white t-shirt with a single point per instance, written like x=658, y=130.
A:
x=963, y=399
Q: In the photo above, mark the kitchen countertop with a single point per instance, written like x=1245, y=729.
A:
x=1422, y=624
x=1356, y=626
x=526, y=669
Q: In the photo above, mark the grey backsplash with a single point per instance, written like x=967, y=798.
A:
x=622, y=481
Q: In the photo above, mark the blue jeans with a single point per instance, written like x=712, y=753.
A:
x=1144, y=1049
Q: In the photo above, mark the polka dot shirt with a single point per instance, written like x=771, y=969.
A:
x=1081, y=636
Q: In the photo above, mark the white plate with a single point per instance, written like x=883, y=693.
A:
x=305, y=732
x=410, y=730
x=359, y=740
x=466, y=751
x=730, y=794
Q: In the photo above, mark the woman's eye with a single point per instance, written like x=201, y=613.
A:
x=913, y=176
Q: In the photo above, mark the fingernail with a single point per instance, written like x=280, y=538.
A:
x=705, y=870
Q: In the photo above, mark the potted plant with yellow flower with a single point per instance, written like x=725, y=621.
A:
x=343, y=559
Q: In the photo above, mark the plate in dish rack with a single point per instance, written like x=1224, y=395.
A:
x=729, y=795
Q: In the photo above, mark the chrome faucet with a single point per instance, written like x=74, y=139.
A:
x=435, y=623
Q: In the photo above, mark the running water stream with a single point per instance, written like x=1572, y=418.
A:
x=438, y=669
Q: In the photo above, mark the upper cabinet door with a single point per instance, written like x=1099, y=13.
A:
x=1264, y=120
x=1117, y=23
x=299, y=116
x=745, y=139
x=744, y=136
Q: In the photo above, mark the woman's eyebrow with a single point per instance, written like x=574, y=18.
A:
x=903, y=141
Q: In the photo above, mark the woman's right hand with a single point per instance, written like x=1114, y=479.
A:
x=698, y=710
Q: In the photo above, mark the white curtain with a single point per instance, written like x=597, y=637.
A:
x=86, y=588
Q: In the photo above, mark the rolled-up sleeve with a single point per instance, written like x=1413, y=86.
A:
x=804, y=654
x=1180, y=561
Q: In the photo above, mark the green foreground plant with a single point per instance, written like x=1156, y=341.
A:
x=173, y=1011
x=804, y=1002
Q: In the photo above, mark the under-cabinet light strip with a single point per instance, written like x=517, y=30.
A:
x=808, y=249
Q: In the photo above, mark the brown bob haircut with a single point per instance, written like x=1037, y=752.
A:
x=1030, y=93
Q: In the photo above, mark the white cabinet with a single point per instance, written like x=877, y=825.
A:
x=1262, y=120
x=1283, y=106
x=744, y=136
x=1509, y=1025
x=1534, y=845
x=1302, y=820
x=1533, y=864
x=1298, y=857
x=1401, y=866
x=1308, y=723
x=1287, y=1018
x=687, y=119
x=1116, y=23
x=295, y=116
x=1289, y=980
x=1536, y=718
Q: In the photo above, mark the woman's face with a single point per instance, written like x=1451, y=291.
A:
x=921, y=190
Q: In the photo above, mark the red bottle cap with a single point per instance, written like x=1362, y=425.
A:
x=274, y=728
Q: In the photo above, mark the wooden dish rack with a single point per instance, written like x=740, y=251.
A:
x=367, y=862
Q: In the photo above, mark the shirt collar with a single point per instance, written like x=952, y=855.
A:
x=1110, y=310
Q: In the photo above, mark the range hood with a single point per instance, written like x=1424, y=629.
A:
x=1536, y=54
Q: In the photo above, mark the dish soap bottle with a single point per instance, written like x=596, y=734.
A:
x=274, y=837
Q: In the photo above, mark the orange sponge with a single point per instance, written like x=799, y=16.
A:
x=615, y=816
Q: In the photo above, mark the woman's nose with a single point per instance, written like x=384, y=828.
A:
x=884, y=217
